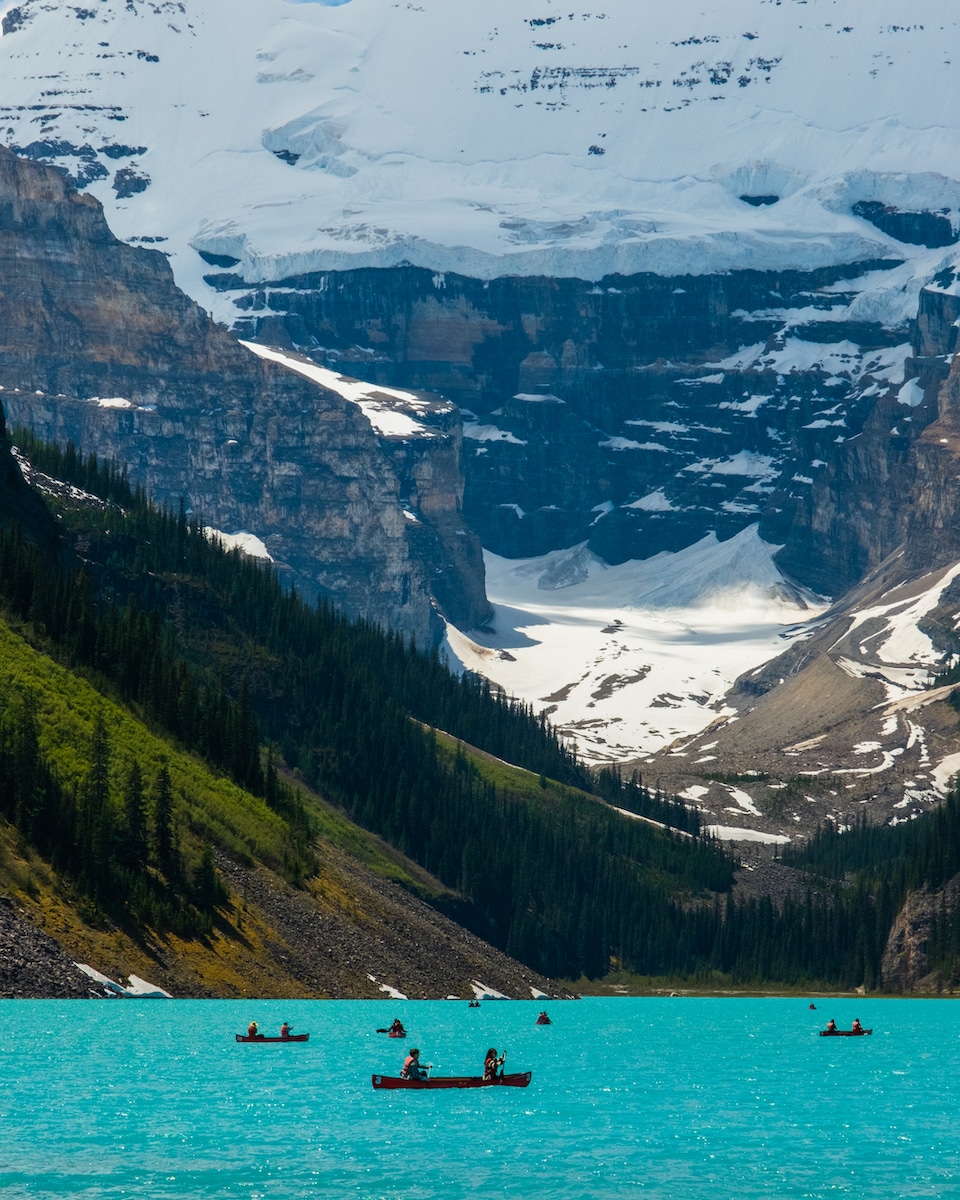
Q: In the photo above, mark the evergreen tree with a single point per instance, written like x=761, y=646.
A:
x=208, y=891
x=164, y=838
x=134, y=842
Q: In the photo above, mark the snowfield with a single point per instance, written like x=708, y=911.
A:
x=497, y=138
x=276, y=139
x=628, y=658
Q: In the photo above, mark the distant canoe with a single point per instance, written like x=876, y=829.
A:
x=396, y=1033
x=293, y=1037
x=845, y=1032
x=394, y=1083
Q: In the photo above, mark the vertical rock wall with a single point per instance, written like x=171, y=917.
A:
x=98, y=345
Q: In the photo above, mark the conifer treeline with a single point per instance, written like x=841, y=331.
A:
x=875, y=867
x=559, y=881
x=345, y=704
x=120, y=848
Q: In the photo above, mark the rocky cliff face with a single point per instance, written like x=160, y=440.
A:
x=98, y=345
x=905, y=966
x=637, y=413
x=891, y=485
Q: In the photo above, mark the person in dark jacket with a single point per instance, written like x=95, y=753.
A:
x=492, y=1064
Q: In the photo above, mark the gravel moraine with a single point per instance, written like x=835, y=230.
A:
x=32, y=965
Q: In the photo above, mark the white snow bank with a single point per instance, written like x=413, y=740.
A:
x=628, y=658
x=482, y=992
x=379, y=404
x=731, y=833
x=111, y=402
x=653, y=502
x=944, y=772
x=249, y=543
x=910, y=394
x=138, y=989
x=900, y=640
x=744, y=462
x=392, y=992
x=489, y=433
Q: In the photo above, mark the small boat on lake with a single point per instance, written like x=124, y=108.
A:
x=396, y=1033
x=845, y=1032
x=394, y=1082
x=291, y=1037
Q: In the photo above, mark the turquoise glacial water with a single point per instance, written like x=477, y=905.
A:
x=667, y=1099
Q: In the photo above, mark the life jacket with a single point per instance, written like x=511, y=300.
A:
x=411, y=1068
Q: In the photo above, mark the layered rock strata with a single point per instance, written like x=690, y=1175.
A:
x=635, y=412
x=99, y=346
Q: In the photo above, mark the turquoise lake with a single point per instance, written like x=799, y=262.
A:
x=673, y=1099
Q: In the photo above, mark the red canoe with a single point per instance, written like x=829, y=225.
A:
x=392, y=1082
x=845, y=1032
x=293, y=1037
x=396, y=1033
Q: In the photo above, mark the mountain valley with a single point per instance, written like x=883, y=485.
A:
x=630, y=386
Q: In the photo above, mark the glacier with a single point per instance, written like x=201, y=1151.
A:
x=492, y=139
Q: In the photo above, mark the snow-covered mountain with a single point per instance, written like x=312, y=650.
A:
x=684, y=268
x=496, y=138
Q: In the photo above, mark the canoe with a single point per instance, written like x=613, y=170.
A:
x=294, y=1037
x=845, y=1032
x=393, y=1083
x=398, y=1033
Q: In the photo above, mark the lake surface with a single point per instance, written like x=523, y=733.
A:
x=667, y=1099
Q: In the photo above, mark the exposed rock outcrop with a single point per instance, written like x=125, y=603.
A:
x=892, y=484
x=616, y=412
x=98, y=345
x=906, y=965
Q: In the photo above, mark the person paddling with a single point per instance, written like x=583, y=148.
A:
x=831, y=1026
x=492, y=1063
x=857, y=1027
x=397, y=1027
x=252, y=1030
x=411, y=1068
x=285, y=1030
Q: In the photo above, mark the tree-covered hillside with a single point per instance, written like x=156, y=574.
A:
x=209, y=649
